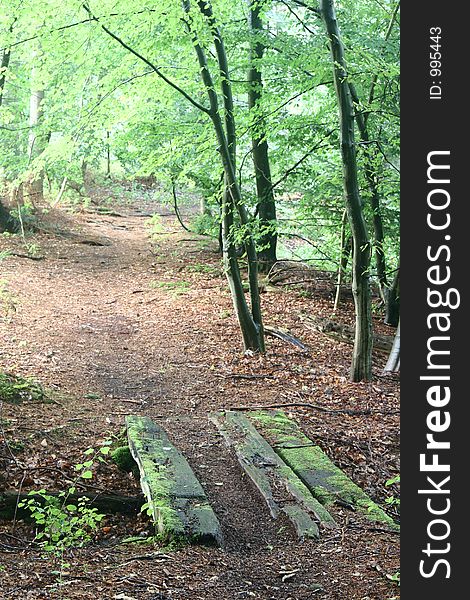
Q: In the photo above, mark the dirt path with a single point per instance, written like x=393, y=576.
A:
x=127, y=327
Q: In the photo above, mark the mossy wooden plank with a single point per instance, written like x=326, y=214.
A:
x=327, y=482
x=177, y=500
x=280, y=487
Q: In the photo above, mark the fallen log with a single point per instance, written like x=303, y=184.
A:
x=286, y=337
x=344, y=333
x=105, y=503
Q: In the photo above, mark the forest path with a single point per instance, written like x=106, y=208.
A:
x=131, y=327
x=119, y=326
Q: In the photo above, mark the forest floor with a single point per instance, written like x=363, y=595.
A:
x=144, y=325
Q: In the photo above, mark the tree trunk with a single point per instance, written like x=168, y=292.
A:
x=392, y=306
x=371, y=177
x=251, y=324
x=35, y=187
x=108, y=504
x=3, y=71
x=361, y=367
x=108, y=155
x=393, y=362
x=8, y=223
x=264, y=186
x=345, y=249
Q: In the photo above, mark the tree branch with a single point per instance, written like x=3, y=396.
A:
x=148, y=63
x=70, y=25
x=301, y=21
x=306, y=155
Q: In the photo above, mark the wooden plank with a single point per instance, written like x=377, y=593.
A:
x=280, y=487
x=176, y=499
x=327, y=482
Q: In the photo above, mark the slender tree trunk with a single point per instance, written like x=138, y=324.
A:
x=393, y=362
x=345, y=249
x=392, y=305
x=361, y=367
x=35, y=188
x=8, y=223
x=251, y=323
x=370, y=172
x=203, y=208
x=371, y=155
x=3, y=71
x=108, y=156
x=264, y=186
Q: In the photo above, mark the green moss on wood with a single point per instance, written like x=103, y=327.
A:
x=327, y=482
x=124, y=460
x=176, y=500
x=154, y=481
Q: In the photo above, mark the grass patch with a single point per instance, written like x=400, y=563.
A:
x=175, y=287
x=205, y=269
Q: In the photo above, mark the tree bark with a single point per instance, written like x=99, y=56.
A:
x=345, y=249
x=108, y=504
x=108, y=155
x=8, y=223
x=264, y=186
x=35, y=187
x=393, y=362
x=392, y=306
x=361, y=367
x=371, y=178
x=251, y=323
x=3, y=71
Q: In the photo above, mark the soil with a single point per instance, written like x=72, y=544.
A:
x=113, y=320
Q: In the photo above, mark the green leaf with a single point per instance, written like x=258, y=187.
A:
x=86, y=475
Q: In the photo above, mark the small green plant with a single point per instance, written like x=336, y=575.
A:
x=34, y=250
x=8, y=301
x=4, y=254
x=63, y=520
x=155, y=224
x=392, y=500
x=395, y=578
x=64, y=524
x=205, y=224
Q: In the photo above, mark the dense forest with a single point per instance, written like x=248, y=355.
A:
x=199, y=237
